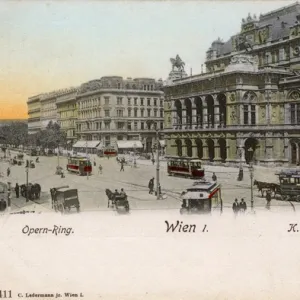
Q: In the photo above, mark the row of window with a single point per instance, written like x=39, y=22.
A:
x=121, y=101
x=120, y=113
x=118, y=125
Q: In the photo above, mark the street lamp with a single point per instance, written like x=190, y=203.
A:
x=158, y=188
x=251, y=170
x=86, y=153
x=134, y=157
x=27, y=170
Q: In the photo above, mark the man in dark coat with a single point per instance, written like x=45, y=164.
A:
x=243, y=206
x=151, y=185
x=122, y=166
x=235, y=206
x=214, y=177
x=3, y=205
x=17, y=190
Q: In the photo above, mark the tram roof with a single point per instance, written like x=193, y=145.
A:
x=289, y=172
x=183, y=158
x=203, y=185
x=79, y=157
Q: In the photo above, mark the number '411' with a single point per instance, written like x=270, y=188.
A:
x=5, y=294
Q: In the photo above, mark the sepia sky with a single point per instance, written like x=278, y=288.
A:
x=46, y=46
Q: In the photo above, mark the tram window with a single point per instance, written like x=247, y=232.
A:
x=206, y=205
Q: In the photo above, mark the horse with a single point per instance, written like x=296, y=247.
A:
x=36, y=190
x=25, y=191
x=264, y=186
x=110, y=196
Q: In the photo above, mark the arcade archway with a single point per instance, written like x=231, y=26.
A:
x=189, y=147
x=250, y=148
x=295, y=152
x=223, y=149
x=210, y=111
x=222, y=109
x=211, y=149
x=199, y=146
x=199, y=111
x=178, y=108
x=188, y=106
x=179, y=147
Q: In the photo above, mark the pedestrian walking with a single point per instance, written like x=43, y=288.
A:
x=235, y=206
x=17, y=190
x=243, y=206
x=8, y=171
x=94, y=163
x=151, y=185
x=153, y=161
x=214, y=177
x=3, y=205
x=100, y=169
x=122, y=166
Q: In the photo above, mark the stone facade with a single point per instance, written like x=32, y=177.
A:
x=112, y=109
x=34, y=114
x=246, y=106
x=67, y=113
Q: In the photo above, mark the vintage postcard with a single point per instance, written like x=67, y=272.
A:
x=150, y=150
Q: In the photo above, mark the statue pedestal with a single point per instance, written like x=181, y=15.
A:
x=175, y=74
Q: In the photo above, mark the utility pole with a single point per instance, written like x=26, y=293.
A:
x=134, y=158
x=86, y=154
x=251, y=169
x=158, y=189
x=27, y=171
x=58, y=155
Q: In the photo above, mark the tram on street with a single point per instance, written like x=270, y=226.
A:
x=289, y=183
x=185, y=166
x=110, y=151
x=203, y=197
x=80, y=165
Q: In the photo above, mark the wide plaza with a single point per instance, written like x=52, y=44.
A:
x=134, y=180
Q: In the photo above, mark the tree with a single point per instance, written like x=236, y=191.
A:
x=15, y=133
x=51, y=136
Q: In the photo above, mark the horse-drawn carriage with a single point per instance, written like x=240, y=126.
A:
x=33, y=191
x=63, y=199
x=288, y=188
x=20, y=156
x=118, y=201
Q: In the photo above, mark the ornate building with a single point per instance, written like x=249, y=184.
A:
x=246, y=107
x=67, y=113
x=34, y=114
x=113, y=109
x=48, y=108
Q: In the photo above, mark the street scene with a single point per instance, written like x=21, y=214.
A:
x=134, y=181
x=222, y=138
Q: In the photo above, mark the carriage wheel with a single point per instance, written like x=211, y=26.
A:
x=61, y=208
x=284, y=198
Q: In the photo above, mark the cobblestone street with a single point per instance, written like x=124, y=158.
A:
x=135, y=182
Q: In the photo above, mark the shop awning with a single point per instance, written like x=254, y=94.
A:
x=162, y=143
x=86, y=144
x=129, y=144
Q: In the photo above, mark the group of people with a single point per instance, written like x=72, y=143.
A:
x=122, y=193
x=239, y=207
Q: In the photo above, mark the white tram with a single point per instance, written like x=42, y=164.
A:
x=203, y=197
